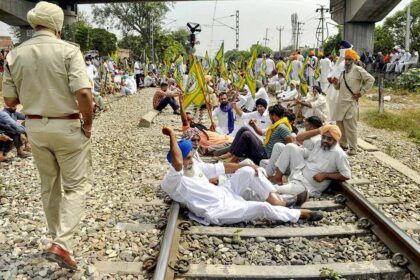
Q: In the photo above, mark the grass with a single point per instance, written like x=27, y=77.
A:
x=405, y=120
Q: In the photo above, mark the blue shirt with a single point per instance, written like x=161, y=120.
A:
x=12, y=126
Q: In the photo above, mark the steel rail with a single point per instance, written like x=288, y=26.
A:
x=165, y=249
x=387, y=231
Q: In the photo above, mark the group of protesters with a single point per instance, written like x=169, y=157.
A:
x=271, y=156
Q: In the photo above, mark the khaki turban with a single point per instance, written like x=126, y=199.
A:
x=352, y=54
x=332, y=129
x=46, y=14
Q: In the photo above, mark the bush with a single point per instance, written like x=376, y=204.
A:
x=409, y=80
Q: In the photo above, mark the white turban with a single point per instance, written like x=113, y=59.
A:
x=46, y=14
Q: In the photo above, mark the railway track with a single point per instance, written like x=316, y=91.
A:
x=377, y=247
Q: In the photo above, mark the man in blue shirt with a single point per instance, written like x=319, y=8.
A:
x=14, y=131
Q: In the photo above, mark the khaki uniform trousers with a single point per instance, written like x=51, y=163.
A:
x=62, y=155
x=348, y=129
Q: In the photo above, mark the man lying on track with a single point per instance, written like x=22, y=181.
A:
x=187, y=182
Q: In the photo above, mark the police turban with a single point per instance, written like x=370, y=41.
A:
x=47, y=15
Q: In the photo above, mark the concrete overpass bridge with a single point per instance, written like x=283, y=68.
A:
x=357, y=16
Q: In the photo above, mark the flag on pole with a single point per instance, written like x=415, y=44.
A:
x=288, y=71
x=317, y=70
x=195, y=89
x=263, y=68
x=178, y=75
x=303, y=83
x=219, y=56
x=249, y=76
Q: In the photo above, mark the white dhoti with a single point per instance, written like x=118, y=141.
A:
x=270, y=164
x=238, y=209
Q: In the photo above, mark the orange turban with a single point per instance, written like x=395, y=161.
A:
x=352, y=54
x=332, y=129
x=311, y=53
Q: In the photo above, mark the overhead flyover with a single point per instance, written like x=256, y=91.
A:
x=357, y=16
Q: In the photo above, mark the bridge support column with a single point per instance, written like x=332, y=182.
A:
x=26, y=32
x=360, y=35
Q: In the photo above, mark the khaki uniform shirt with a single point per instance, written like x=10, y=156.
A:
x=359, y=80
x=44, y=73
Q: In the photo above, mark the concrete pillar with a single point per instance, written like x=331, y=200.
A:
x=26, y=32
x=70, y=14
x=360, y=35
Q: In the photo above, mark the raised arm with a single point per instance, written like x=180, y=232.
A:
x=238, y=110
x=182, y=111
x=176, y=154
x=307, y=135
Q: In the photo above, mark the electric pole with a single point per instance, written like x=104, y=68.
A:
x=266, y=37
x=237, y=29
x=407, y=29
x=280, y=30
x=298, y=33
x=322, y=19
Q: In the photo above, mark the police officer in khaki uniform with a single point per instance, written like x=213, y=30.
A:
x=48, y=77
x=353, y=82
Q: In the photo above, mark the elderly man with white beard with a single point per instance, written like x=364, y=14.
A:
x=187, y=182
x=311, y=171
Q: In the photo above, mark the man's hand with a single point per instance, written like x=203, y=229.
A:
x=181, y=98
x=335, y=81
x=87, y=130
x=356, y=96
x=252, y=122
x=213, y=127
x=166, y=130
x=23, y=139
x=320, y=177
x=4, y=137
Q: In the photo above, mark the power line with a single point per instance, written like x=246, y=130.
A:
x=320, y=29
x=280, y=30
x=299, y=23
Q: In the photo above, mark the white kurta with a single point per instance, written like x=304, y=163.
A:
x=325, y=66
x=225, y=204
x=222, y=121
x=263, y=122
x=296, y=66
x=262, y=93
x=319, y=107
x=288, y=98
x=304, y=165
x=270, y=66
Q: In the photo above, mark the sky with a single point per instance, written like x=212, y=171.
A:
x=256, y=17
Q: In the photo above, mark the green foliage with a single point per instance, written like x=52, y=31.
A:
x=103, y=41
x=182, y=36
x=138, y=17
x=409, y=80
x=384, y=40
x=406, y=121
x=82, y=35
x=330, y=273
x=236, y=56
x=332, y=43
x=261, y=49
x=134, y=43
x=395, y=25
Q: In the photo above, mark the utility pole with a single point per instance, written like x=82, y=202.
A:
x=266, y=37
x=280, y=30
x=322, y=19
x=237, y=29
x=407, y=29
x=298, y=33
x=152, y=45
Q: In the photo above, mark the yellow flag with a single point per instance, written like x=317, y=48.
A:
x=303, y=83
x=178, y=75
x=288, y=71
x=196, y=88
x=249, y=76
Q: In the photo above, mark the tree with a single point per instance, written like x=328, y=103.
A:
x=236, y=56
x=134, y=43
x=103, y=41
x=182, y=36
x=332, y=43
x=396, y=25
x=261, y=49
x=384, y=40
x=83, y=35
x=144, y=18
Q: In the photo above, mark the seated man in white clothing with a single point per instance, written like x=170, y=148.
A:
x=128, y=86
x=288, y=98
x=187, y=182
x=314, y=104
x=262, y=93
x=310, y=123
x=312, y=171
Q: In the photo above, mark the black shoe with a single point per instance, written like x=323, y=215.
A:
x=290, y=202
x=315, y=216
x=177, y=113
x=302, y=197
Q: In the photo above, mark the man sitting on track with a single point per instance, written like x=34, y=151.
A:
x=187, y=182
x=312, y=170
